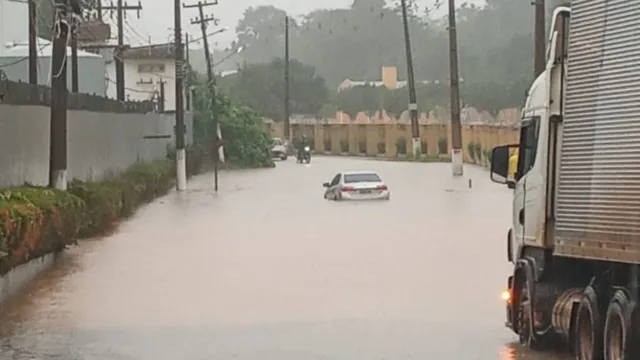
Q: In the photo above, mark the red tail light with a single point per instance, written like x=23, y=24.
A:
x=382, y=187
x=347, y=188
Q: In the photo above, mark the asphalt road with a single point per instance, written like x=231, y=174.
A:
x=268, y=270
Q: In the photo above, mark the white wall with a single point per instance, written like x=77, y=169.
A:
x=140, y=92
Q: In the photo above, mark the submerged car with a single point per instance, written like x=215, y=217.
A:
x=279, y=149
x=357, y=185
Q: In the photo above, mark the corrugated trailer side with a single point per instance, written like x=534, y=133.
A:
x=598, y=194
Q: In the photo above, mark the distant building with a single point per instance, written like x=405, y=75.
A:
x=145, y=68
x=389, y=75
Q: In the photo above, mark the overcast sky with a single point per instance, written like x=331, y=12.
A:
x=157, y=16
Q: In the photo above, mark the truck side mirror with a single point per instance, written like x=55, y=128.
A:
x=500, y=157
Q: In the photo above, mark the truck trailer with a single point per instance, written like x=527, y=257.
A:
x=575, y=235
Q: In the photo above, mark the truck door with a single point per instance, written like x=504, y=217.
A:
x=528, y=189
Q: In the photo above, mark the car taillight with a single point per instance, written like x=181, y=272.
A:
x=381, y=187
x=347, y=188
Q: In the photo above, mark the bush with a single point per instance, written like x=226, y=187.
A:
x=401, y=146
x=327, y=145
x=362, y=146
x=36, y=221
x=344, y=146
x=108, y=201
x=442, y=146
x=382, y=148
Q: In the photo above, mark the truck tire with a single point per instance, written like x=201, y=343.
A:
x=525, y=320
x=589, y=328
x=618, y=341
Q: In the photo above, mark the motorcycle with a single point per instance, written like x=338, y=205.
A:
x=304, y=155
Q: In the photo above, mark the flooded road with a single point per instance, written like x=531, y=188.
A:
x=269, y=270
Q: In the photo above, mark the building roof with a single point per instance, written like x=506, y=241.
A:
x=156, y=51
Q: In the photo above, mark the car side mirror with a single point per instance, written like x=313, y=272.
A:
x=325, y=185
x=511, y=184
x=500, y=172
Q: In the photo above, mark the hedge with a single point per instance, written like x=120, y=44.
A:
x=35, y=221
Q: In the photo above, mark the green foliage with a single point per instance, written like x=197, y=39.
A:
x=262, y=87
x=443, y=145
x=36, y=221
x=401, y=146
x=246, y=141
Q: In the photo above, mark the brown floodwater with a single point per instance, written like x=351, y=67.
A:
x=268, y=270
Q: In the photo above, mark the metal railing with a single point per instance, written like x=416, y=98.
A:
x=20, y=93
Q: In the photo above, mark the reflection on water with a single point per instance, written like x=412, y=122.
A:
x=274, y=272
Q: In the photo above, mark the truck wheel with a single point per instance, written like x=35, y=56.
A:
x=588, y=339
x=524, y=318
x=618, y=340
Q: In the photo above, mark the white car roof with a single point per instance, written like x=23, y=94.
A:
x=359, y=172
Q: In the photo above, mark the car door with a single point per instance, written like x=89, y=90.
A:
x=526, y=196
x=334, y=185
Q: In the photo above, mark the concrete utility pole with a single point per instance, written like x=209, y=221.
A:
x=162, y=97
x=539, y=37
x=181, y=154
x=33, y=44
x=413, y=103
x=58, y=130
x=203, y=21
x=120, y=10
x=287, y=101
x=456, y=127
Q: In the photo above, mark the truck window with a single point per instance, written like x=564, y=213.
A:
x=529, y=132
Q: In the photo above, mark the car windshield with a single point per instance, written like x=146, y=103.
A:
x=363, y=177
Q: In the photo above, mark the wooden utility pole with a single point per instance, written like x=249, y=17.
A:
x=287, y=101
x=58, y=130
x=413, y=103
x=74, y=57
x=539, y=37
x=203, y=20
x=120, y=10
x=162, y=99
x=456, y=127
x=33, y=43
x=187, y=93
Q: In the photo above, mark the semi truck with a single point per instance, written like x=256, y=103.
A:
x=575, y=235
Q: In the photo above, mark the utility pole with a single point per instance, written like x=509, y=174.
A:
x=120, y=10
x=99, y=8
x=162, y=99
x=74, y=57
x=187, y=94
x=181, y=155
x=413, y=103
x=211, y=80
x=33, y=44
x=456, y=127
x=539, y=38
x=287, y=103
x=58, y=130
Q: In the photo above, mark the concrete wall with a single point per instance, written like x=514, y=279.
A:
x=329, y=138
x=21, y=275
x=98, y=143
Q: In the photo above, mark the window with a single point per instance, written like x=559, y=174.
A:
x=363, y=177
x=529, y=133
x=151, y=68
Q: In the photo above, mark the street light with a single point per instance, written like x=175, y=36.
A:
x=221, y=30
x=238, y=51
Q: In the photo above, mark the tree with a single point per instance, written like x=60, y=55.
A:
x=261, y=87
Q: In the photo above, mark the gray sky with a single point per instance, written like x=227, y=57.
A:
x=157, y=16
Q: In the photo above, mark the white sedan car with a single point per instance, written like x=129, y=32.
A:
x=357, y=185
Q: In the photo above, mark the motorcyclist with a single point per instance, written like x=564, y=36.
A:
x=301, y=145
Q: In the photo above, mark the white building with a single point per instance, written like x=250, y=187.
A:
x=145, y=68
